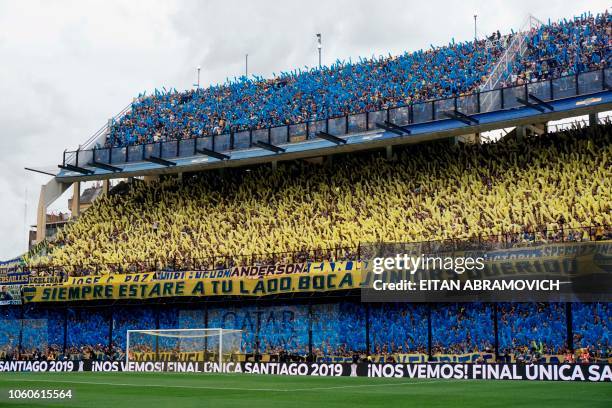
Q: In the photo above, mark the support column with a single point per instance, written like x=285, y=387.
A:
x=569, y=326
x=105, y=186
x=48, y=194
x=76, y=199
x=367, y=327
x=389, y=150
x=429, y=332
x=41, y=217
x=65, y=345
x=593, y=119
x=110, y=331
x=496, y=331
x=310, y=318
x=521, y=132
x=274, y=165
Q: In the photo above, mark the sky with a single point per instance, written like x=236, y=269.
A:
x=68, y=66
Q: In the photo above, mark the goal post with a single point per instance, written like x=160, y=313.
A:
x=214, y=345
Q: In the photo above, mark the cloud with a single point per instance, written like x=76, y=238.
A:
x=68, y=66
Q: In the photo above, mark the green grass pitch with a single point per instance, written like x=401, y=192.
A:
x=174, y=390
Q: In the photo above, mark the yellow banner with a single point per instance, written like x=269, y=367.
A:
x=103, y=279
x=194, y=287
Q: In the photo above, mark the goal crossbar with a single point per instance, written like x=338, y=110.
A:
x=189, y=333
x=216, y=333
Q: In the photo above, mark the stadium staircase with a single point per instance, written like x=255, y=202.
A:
x=516, y=49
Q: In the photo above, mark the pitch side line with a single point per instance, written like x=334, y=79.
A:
x=221, y=388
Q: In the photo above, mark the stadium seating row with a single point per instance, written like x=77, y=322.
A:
x=565, y=48
x=431, y=191
x=555, y=49
x=338, y=329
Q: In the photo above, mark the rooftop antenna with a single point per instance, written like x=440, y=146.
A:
x=319, y=46
x=197, y=84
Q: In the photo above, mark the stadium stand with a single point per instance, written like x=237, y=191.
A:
x=591, y=326
x=563, y=48
x=555, y=49
x=399, y=328
x=556, y=187
x=461, y=329
x=526, y=326
x=526, y=331
x=488, y=192
x=302, y=95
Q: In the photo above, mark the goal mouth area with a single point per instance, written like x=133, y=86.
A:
x=211, y=344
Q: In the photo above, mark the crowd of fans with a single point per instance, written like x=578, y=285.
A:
x=544, y=188
x=555, y=49
x=526, y=331
x=592, y=323
x=532, y=325
x=311, y=94
x=398, y=328
x=462, y=329
x=565, y=48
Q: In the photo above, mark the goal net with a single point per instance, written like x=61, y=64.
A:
x=214, y=345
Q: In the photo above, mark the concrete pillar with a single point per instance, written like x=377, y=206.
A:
x=105, y=186
x=274, y=165
x=180, y=176
x=593, y=119
x=76, y=199
x=41, y=217
x=389, y=150
x=521, y=132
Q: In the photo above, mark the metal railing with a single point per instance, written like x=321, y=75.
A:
x=517, y=46
x=405, y=115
